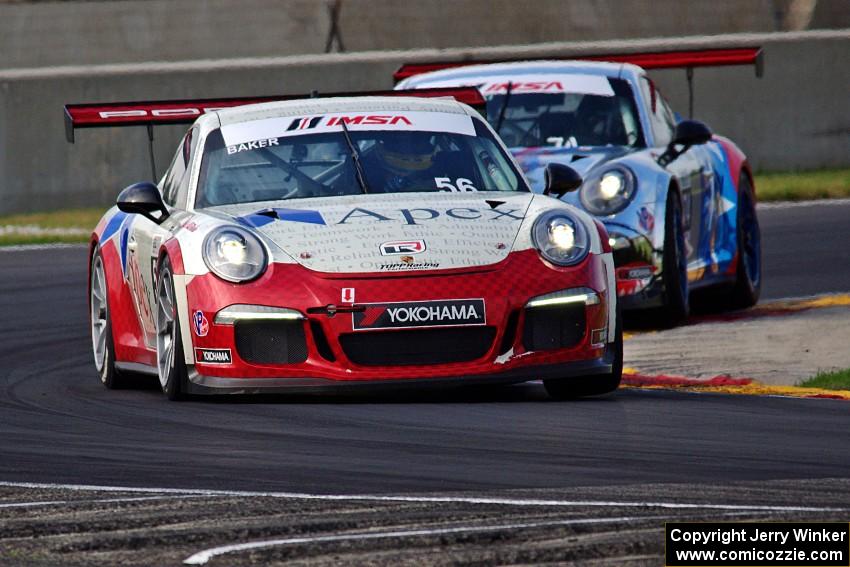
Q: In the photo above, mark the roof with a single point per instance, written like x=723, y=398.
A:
x=537, y=67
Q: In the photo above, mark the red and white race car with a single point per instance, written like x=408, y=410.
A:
x=351, y=241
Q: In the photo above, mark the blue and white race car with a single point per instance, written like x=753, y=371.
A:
x=678, y=201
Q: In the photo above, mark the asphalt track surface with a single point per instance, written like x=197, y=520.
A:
x=59, y=425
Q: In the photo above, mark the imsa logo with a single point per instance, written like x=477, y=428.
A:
x=399, y=247
x=446, y=313
x=309, y=122
x=213, y=355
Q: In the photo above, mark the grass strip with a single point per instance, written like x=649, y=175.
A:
x=839, y=380
x=803, y=185
x=68, y=218
x=24, y=239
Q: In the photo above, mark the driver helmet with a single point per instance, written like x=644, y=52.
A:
x=405, y=153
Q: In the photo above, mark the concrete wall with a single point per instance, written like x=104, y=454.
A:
x=66, y=33
x=35, y=34
x=797, y=116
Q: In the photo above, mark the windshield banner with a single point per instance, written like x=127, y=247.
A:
x=401, y=120
x=534, y=83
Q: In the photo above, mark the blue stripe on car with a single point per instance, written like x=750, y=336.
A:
x=112, y=226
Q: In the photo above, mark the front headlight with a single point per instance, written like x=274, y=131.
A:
x=234, y=254
x=610, y=192
x=560, y=238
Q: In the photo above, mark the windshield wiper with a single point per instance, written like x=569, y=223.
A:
x=355, y=156
x=504, y=107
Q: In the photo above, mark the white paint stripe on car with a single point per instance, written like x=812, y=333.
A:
x=530, y=502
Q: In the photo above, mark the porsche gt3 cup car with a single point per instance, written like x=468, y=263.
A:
x=678, y=202
x=348, y=241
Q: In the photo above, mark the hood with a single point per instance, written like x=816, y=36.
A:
x=388, y=232
x=533, y=161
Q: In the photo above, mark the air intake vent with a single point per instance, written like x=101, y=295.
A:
x=271, y=342
x=551, y=327
x=421, y=346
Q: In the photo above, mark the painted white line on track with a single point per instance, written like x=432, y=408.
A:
x=31, y=247
x=807, y=203
x=29, y=504
x=36, y=230
x=203, y=556
x=97, y=501
x=530, y=502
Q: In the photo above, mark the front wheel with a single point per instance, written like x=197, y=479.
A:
x=593, y=385
x=100, y=318
x=675, y=265
x=171, y=364
x=747, y=287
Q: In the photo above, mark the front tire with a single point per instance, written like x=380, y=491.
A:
x=593, y=385
x=747, y=287
x=100, y=319
x=675, y=265
x=171, y=364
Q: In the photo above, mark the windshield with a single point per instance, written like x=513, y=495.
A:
x=535, y=117
x=277, y=161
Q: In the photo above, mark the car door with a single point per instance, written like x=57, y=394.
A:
x=693, y=172
x=146, y=237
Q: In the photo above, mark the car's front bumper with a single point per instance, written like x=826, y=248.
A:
x=505, y=289
x=204, y=385
x=639, y=267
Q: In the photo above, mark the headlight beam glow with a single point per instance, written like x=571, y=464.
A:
x=611, y=185
x=562, y=235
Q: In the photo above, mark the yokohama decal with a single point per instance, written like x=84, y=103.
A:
x=406, y=315
x=213, y=355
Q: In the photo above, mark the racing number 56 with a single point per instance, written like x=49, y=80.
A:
x=461, y=185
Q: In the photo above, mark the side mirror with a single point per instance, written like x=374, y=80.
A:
x=560, y=179
x=691, y=133
x=688, y=133
x=143, y=199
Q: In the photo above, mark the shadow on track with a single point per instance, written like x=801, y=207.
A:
x=403, y=394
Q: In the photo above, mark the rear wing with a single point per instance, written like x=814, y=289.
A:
x=653, y=60
x=686, y=59
x=161, y=112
